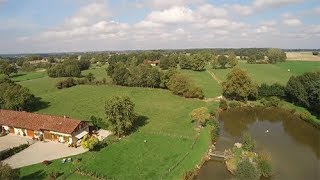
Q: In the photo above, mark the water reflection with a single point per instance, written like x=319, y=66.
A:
x=294, y=144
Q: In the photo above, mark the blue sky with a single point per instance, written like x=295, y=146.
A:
x=35, y=26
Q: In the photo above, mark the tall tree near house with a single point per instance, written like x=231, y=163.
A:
x=200, y=115
x=120, y=114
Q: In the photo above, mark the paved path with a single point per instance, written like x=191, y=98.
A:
x=11, y=140
x=40, y=151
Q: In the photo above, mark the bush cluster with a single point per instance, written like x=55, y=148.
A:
x=181, y=85
x=265, y=90
x=10, y=152
x=271, y=102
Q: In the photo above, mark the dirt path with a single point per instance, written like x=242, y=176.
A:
x=214, y=77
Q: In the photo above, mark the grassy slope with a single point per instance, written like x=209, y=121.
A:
x=271, y=73
x=168, y=130
x=204, y=80
x=24, y=76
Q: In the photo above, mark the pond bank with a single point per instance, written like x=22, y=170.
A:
x=292, y=143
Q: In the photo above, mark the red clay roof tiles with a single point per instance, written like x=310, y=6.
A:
x=34, y=121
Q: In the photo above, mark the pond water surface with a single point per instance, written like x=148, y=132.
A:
x=293, y=144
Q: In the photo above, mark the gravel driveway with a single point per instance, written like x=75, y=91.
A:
x=40, y=151
x=11, y=140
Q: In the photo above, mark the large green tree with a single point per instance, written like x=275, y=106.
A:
x=276, y=55
x=222, y=61
x=120, y=114
x=304, y=90
x=239, y=86
x=7, y=68
x=232, y=59
x=198, y=62
x=200, y=115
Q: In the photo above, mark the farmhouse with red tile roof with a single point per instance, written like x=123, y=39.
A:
x=43, y=127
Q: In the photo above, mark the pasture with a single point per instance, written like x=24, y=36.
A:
x=272, y=73
x=166, y=134
x=165, y=125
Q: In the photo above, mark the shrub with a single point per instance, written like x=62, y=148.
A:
x=246, y=171
x=89, y=142
x=69, y=82
x=223, y=104
x=271, y=102
x=234, y=104
x=7, y=173
x=264, y=165
x=110, y=140
x=248, y=143
x=271, y=90
x=315, y=53
x=12, y=151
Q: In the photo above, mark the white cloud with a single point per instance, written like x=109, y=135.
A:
x=173, y=15
x=164, y=4
x=259, y=5
x=88, y=13
x=208, y=10
x=217, y=23
x=274, y=3
x=292, y=22
x=242, y=9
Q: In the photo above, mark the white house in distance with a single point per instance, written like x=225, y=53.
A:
x=43, y=127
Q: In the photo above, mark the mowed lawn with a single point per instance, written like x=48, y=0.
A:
x=272, y=73
x=203, y=79
x=167, y=129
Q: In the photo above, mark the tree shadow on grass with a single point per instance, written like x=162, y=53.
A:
x=139, y=122
x=36, y=175
x=39, y=104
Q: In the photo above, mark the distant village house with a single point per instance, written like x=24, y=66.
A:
x=152, y=63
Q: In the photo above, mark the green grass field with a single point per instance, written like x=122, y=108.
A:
x=271, y=73
x=203, y=79
x=24, y=76
x=168, y=130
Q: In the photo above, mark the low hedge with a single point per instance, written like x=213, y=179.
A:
x=10, y=152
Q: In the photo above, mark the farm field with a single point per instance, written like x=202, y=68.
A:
x=302, y=56
x=166, y=125
x=166, y=119
x=271, y=73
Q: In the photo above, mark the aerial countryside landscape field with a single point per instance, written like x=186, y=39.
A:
x=195, y=90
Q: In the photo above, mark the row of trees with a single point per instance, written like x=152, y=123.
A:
x=143, y=75
x=69, y=68
x=303, y=90
x=15, y=97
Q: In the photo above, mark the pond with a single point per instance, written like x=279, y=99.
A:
x=293, y=144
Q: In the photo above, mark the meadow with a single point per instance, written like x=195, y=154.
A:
x=302, y=56
x=164, y=139
x=166, y=127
